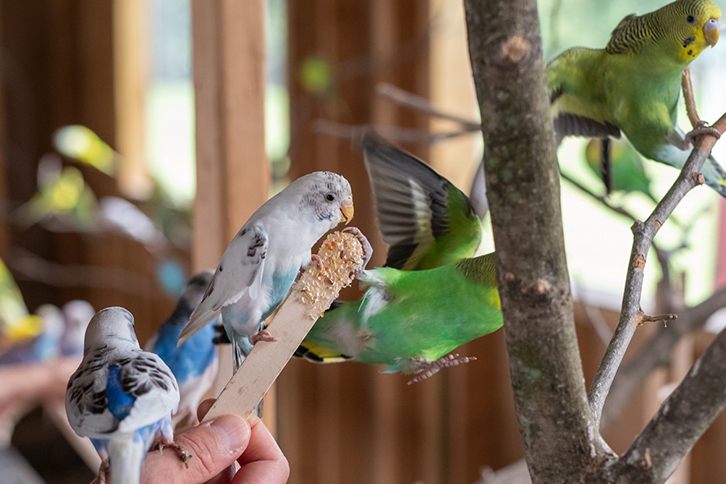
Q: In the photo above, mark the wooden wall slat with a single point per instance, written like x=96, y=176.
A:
x=233, y=174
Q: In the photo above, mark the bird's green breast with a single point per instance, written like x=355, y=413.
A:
x=429, y=314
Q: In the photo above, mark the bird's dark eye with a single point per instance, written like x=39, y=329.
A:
x=691, y=20
x=330, y=197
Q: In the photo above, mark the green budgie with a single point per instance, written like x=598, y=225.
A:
x=16, y=322
x=633, y=85
x=434, y=296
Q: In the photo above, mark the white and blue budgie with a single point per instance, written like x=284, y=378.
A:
x=121, y=397
x=195, y=362
x=77, y=315
x=261, y=263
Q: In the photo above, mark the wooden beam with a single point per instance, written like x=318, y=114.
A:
x=233, y=175
x=130, y=43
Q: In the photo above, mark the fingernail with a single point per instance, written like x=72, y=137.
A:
x=233, y=431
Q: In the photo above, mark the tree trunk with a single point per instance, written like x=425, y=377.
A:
x=524, y=198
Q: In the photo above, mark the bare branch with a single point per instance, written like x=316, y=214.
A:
x=418, y=103
x=392, y=133
x=687, y=88
x=602, y=200
x=644, y=233
x=656, y=353
x=680, y=422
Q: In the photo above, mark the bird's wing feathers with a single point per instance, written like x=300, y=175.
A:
x=146, y=378
x=413, y=204
x=144, y=384
x=242, y=265
x=576, y=108
x=86, y=404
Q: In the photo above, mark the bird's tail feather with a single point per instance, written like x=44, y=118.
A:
x=126, y=457
x=196, y=322
x=318, y=354
x=715, y=175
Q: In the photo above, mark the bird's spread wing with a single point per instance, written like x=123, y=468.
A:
x=425, y=220
x=576, y=109
x=240, y=272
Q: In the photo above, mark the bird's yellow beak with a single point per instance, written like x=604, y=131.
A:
x=346, y=209
x=711, y=31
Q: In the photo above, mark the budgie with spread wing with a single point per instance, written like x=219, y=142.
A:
x=264, y=258
x=121, y=397
x=434, y=296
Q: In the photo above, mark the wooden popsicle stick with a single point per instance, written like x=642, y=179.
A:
x=341, y=257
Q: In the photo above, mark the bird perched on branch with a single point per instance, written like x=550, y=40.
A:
x=264, y=258
x=632, y=86
x=195, y=362
x=433, y=296
x=121, y=397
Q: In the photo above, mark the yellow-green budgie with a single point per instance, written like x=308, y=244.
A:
x=633, y=85
x=16, y=323
x=62, y=191
x=82, y=144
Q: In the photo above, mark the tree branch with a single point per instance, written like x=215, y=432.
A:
x=680, y=422
x=643, y=234
x=559, y=436
x=418, y=103
x=656, y=353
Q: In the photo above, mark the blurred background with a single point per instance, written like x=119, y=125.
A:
x=137, y=136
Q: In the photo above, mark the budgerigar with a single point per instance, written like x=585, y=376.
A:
x=195, y=362
x=62, y=192
x=77, y=315
x=16, y=322
x=45, y=346
x=121, y=397
x=633, y=85
x=264, y=258
x=434, y=296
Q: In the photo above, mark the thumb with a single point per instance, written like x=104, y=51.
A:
x=214, y=447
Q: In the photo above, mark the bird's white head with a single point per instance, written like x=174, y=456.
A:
x=77, y=314
x=325, y=196
x=53, y=323
x=114, y=323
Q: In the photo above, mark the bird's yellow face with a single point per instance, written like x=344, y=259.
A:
x=696, y=26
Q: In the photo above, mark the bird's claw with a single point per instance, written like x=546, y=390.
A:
x=184, y=455
x=102, y=470
x=424, y=369
x=702, y=128
x=367, y=249
x=262, y=335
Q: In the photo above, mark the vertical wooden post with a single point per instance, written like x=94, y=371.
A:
x=130, y=44
x=233, y=175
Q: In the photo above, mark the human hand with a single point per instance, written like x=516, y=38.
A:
x=217, y=447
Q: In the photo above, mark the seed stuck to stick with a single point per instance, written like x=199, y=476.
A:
x=342, y=257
